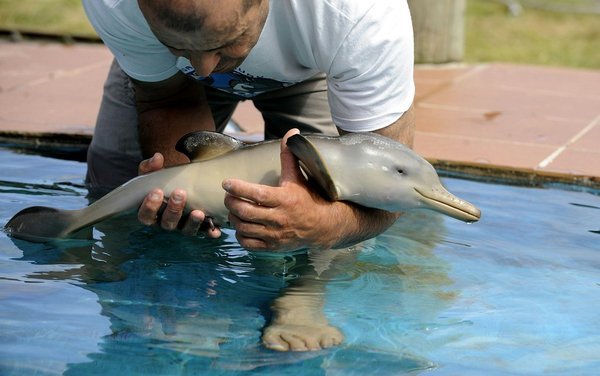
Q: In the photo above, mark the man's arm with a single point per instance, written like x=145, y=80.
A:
x=372, y=222
x=402, y=130
x=292, y=216
x=167, y=111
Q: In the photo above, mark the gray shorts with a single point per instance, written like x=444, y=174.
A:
x=114, y=153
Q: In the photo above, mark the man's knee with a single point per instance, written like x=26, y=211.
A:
x=106, y=171
x=304, y=106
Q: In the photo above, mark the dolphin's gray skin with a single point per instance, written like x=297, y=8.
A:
x=364, y=168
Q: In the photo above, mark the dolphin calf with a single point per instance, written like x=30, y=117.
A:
x=363, y=168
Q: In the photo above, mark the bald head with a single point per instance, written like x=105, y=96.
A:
x=189, y=15
x=214, y=35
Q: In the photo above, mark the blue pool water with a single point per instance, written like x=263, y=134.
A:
x=516, y=293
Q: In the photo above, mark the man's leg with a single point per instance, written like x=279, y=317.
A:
x=298, y=322
x=303, y=106
x=114, y=153
x=222, y=106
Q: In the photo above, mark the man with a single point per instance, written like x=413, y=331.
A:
x=317, y=65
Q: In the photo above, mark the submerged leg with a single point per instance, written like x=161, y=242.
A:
x=299, y=323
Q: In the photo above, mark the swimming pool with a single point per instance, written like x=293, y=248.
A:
x=516, y=293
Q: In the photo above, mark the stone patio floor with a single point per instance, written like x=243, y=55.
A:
x=495, y=118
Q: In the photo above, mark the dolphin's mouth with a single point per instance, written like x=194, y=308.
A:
x=440, y=200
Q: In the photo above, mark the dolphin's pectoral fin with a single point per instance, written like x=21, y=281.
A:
x=203, y=145
x=313, y=165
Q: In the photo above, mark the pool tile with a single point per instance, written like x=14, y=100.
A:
x=536, y=118
x=472, y=150
x=430, y=79
x=575, y=162
x=590, y=138
x=579, y=83
x=26, y=64
x=57, y=105
x=501, y=124
x=532, y=118
x=475, y=94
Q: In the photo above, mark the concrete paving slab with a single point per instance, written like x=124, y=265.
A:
x=501, y=117
x=51, y=87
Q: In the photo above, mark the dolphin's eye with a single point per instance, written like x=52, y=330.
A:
x=400, y=171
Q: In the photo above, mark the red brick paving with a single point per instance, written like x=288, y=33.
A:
x=538, y=119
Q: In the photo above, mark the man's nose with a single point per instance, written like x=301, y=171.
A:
x=205, y=63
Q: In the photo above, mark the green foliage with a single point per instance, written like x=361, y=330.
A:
x=492, y=33
x=533, y=37
x=63, y=17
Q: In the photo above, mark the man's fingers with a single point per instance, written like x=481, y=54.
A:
x=169, y=215
x=193, y=223
x=262, y=195
x=152, y=164
x=150, y=207
x=213, y=233
x=148, y=211
x=174, y=210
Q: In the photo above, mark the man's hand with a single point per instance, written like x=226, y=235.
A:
x=287, y=217
x=172, y=214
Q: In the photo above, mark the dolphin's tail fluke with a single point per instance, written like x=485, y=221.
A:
x=40, y=223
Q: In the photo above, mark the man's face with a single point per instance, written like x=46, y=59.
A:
x=223, y=41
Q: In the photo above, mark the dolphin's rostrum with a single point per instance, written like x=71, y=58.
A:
x=363, y=168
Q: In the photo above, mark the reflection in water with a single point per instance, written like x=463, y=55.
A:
x=198, y=303
x=516, y=293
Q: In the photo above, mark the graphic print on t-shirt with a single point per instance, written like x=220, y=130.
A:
x=236, y=82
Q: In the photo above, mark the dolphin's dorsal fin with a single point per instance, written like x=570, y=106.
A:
x=203, y=145
x=313, y=164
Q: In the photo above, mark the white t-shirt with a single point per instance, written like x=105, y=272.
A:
x=365, y=47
